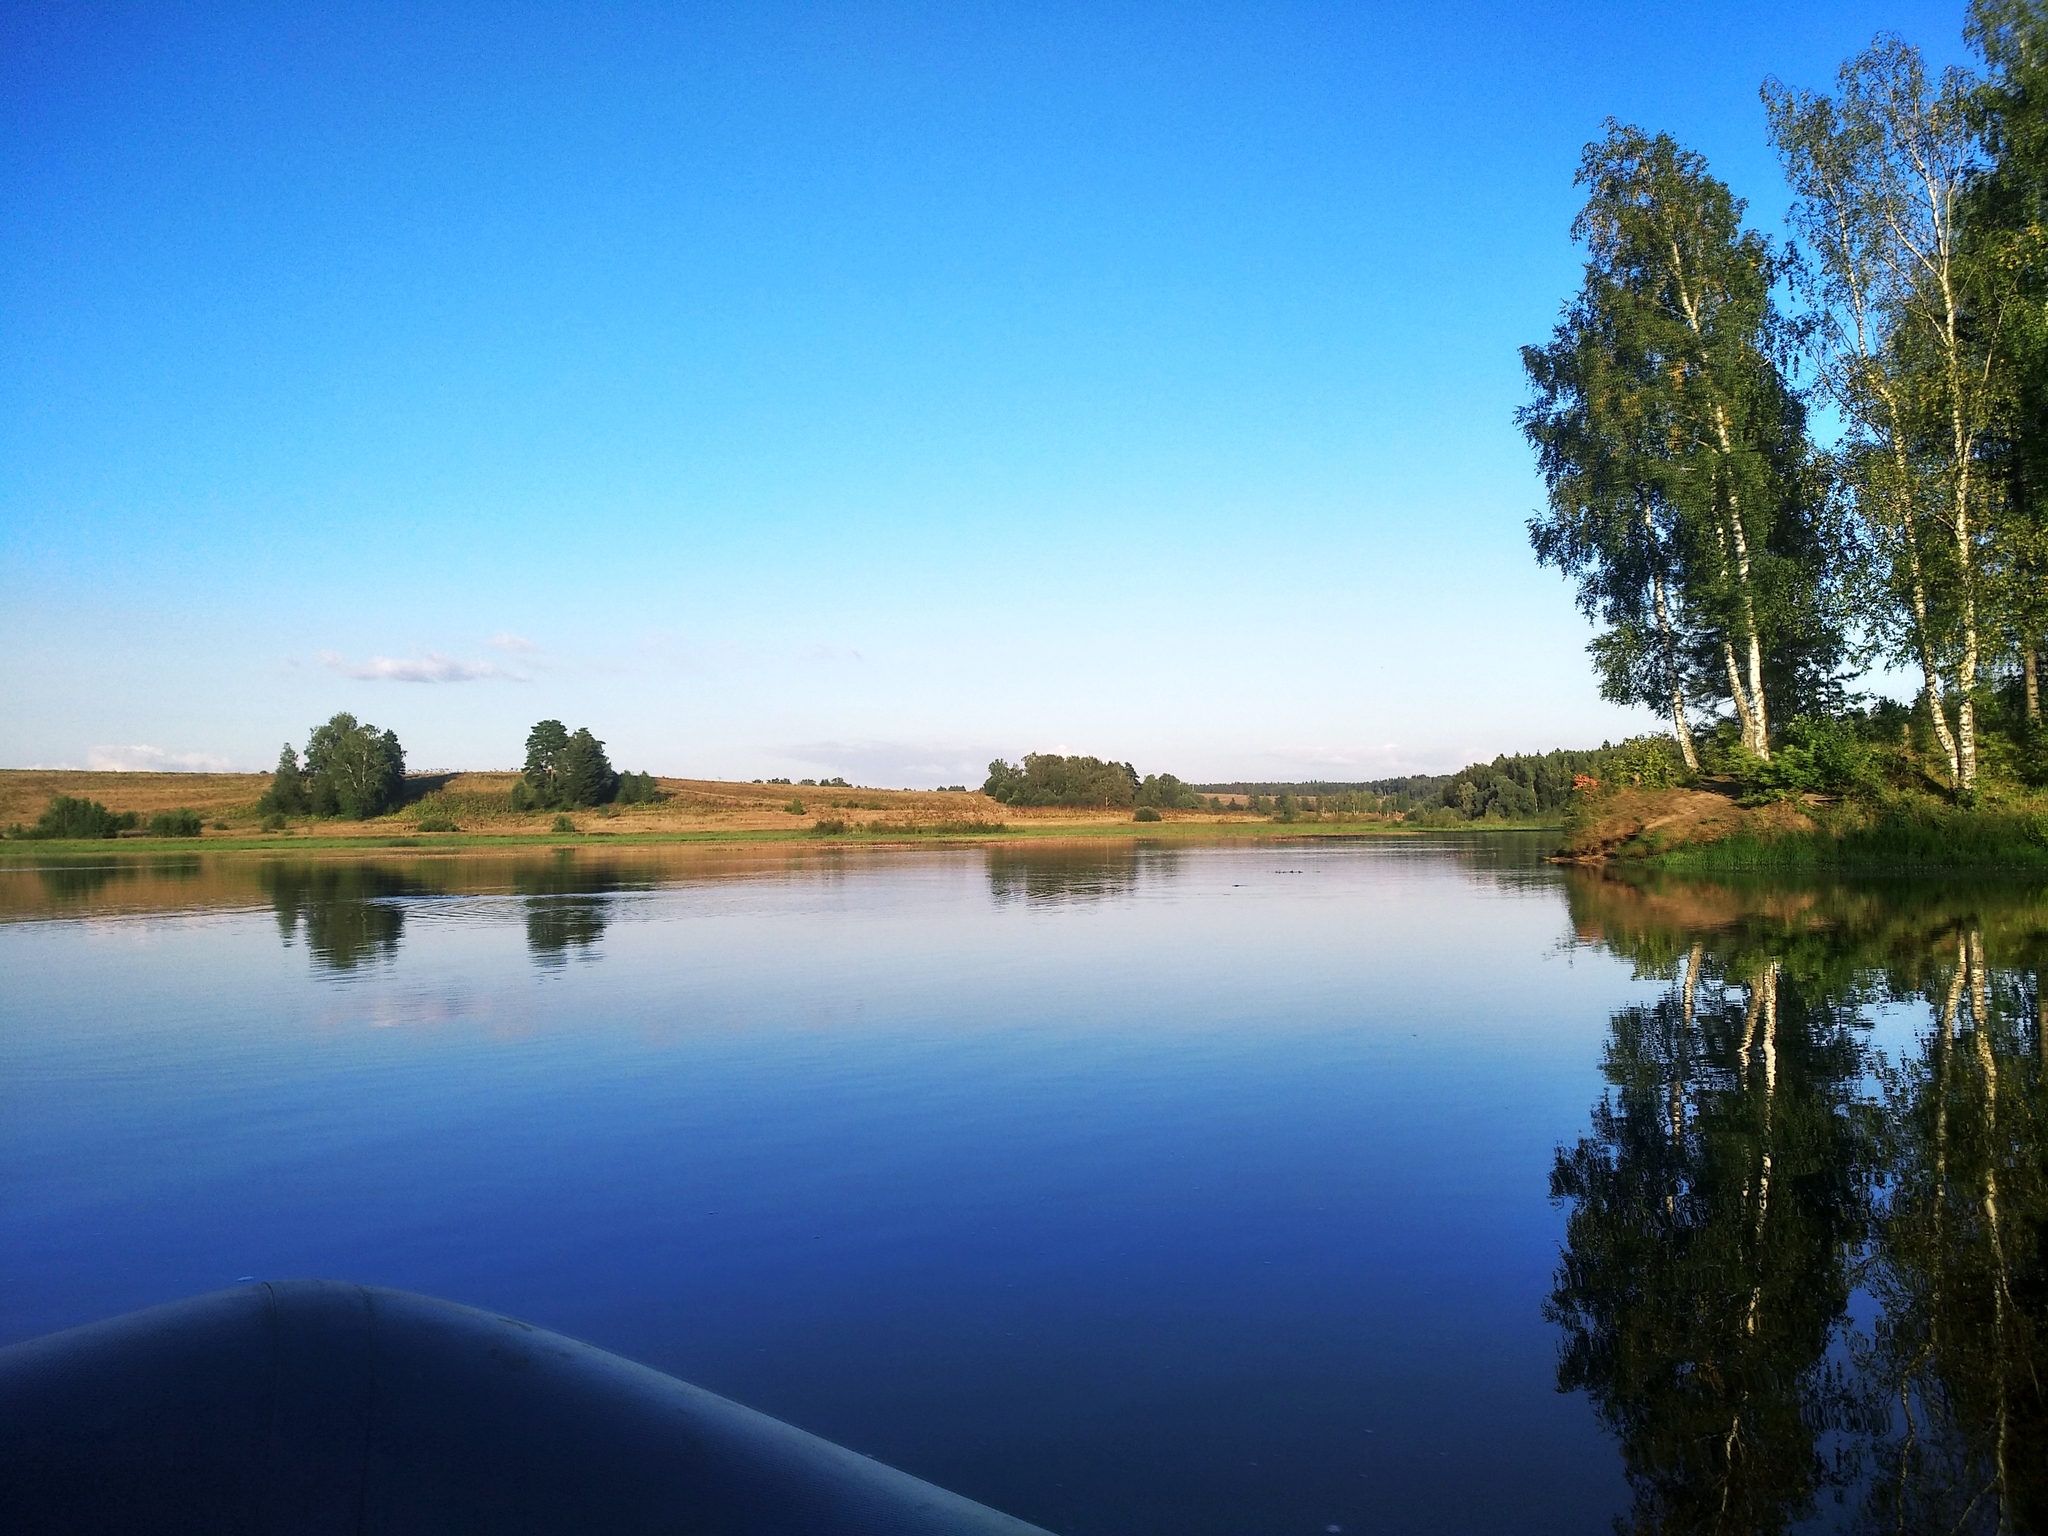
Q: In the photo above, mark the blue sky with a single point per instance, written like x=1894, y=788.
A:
x=851, y=389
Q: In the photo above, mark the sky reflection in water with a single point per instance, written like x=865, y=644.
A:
x=1127, y=1188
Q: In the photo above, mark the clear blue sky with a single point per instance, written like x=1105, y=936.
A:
x=860, y=389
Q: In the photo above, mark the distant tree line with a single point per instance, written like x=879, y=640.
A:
x=1046, y=778
x=1745, y=572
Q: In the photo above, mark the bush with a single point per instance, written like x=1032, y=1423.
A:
x=1646, y=762
x=564, y=824
x=1817, y=756
x=1147, y=813
x=437, y=824
x=274, y=822
x=831, y=826
x=637, y=789
x=795, y=808
x=67, y=817
x=175, y=824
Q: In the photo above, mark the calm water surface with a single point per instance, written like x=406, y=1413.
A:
x=1404, y=1186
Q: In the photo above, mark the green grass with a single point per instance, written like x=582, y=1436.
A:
x=1930, y=839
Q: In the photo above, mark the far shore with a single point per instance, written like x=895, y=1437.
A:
x=477, y=805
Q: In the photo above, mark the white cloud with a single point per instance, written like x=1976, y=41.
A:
x=505, y=640
x=430, y=668
x=146, y=759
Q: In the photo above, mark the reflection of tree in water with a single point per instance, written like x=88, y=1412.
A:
x=1961, y=1271
x=1061, y=874
x=568, y=904
x=76, y=882
x=350, y=912
x=1741, y=1179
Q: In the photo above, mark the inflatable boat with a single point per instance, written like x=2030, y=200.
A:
x=316, y=1406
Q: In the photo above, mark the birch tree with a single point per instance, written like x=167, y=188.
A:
x=1909, y=353
x=1610, y=526
x=2007, y=217
x=1660, y=393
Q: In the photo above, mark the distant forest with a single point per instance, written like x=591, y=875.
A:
x=1531, y=786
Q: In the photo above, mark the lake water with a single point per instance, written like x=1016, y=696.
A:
x=1405, y=1185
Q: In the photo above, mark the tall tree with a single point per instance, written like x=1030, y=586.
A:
x=1595, y=428
x=2006, y=219
x=545, y=744
x=353, y=769
x=1910, y=348
x=1672, y=447
x=584, y=775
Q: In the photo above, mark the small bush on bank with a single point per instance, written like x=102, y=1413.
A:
x=437, y=824
x=829, y=826
x=1147, y=813
x=179, y=823
x=564, y=824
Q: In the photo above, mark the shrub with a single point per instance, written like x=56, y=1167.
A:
x=67, y=817
x=795, y=807
x=1817, y=755
x=1146, y=813
x=1646, y=762
x=175, y=824
x=437, y=824
x=564, y=824
x=274, y=822
x=637, y=789
x=831, y=826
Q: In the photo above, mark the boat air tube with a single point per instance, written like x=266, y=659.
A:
x=314, y=1406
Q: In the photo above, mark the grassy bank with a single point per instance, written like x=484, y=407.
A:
x=1929, y=840
x=1707, y=830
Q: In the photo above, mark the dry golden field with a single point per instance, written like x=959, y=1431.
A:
x=481, y=804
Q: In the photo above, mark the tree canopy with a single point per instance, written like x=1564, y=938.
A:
x=1047, y=778
x=1741, y=568
x=568, y=770
x=351, y=769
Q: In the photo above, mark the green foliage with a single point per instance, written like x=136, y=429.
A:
x=180, y=823
x=437, y=824
x=352, y=769
x=564, y=824
x=637, y=789
x=287, y=795
x=274, y=822
x=1168, y=793
x=1147, y=813
x=1049, y=779
x=1674, y=451
x=69, y=817
x=1646, y=762
x=1817, y=756
x=829, y=826
x=566, y=769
